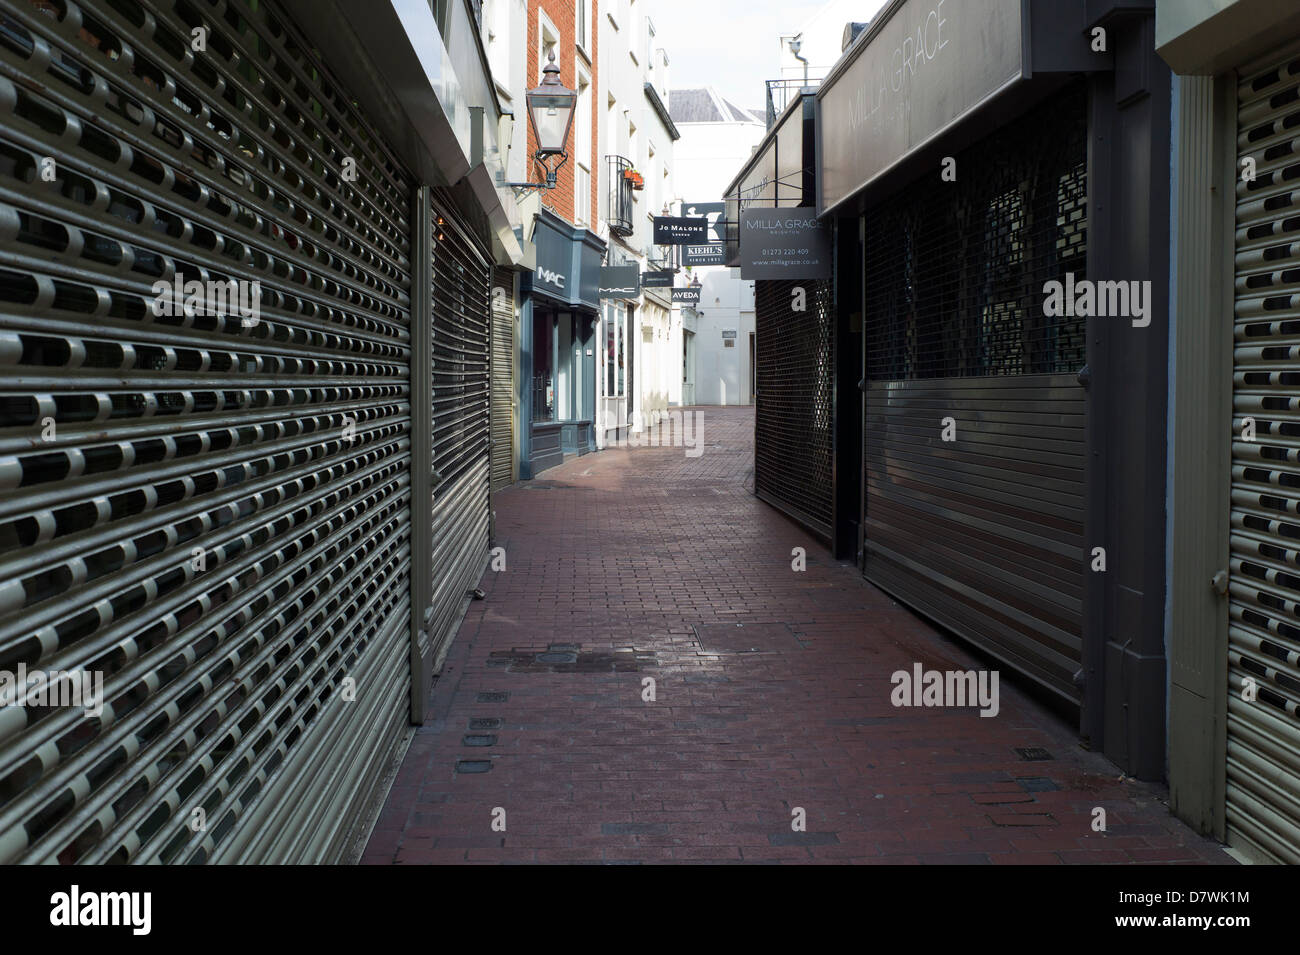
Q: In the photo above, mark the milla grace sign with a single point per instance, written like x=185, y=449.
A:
x=783, y=244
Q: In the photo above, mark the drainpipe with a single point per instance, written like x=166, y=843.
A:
x=795, y=46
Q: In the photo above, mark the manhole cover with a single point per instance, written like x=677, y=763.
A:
x=1033, y=753
x=485, y=723
x=479, y=739
x=564, y=647
x=473, y=765
x=492, y=697
x=553, y=656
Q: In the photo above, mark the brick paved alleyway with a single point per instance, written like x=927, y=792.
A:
x=772, y=692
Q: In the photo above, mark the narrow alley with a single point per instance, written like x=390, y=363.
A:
x=771, y=694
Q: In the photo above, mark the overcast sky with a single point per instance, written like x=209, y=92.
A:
x=729, y=44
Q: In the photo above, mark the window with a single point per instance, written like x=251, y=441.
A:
x=584, y=25
x=582, y=149
x=611, y=126
x=548, y=42
x=543, y=367
x=615, y=332
x=652, y=180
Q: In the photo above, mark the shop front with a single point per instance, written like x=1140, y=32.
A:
x=1234, y=624
x=970, y=158
x=291, y=501
x=795, y=346
x=558, y=346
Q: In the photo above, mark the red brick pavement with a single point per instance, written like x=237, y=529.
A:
x=772, y=692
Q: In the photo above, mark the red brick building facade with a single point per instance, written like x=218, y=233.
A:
x=577, y=63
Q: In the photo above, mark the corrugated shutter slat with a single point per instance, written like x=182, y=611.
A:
x=219, y=522
x=1263, y=772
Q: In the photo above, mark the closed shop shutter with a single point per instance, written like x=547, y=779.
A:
x=209, y=509
x=503, y=380
x=1263, y=772
x=794, y=378
x=461, y=319
x=983, y=533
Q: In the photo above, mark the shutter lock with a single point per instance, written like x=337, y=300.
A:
x=1220, y=583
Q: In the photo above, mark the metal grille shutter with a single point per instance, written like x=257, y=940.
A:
x=461, y=320
x=1263, y=771
x=503, y=381
x=277, y=450
x=792, y=416
x=983, y=534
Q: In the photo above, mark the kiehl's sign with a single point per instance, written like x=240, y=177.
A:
x=927, y=66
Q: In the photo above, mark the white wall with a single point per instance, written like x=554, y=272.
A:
x=722, y=373
x=708, y=157
x=631, y=56
x=505, y=34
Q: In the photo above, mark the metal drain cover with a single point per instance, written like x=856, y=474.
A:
x=1037, y=784
x=492, y=697
x=473, y=765
x=479, y=739
x=485, y=723
x=1033, y=753
x=557, y=656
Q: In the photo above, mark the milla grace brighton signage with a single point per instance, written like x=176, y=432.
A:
x=783, y=244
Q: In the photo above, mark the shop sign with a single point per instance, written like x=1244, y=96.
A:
x=680, y=230
x=783, y=244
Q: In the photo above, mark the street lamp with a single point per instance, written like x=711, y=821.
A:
x=550, y=111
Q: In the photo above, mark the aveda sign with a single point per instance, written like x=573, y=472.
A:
x=929, y=64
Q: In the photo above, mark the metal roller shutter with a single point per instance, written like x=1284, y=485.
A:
x=218, y=521
x=792, y=416
x=461, y=319
x=1263, y=772
x=983, y=533
x=503, y=380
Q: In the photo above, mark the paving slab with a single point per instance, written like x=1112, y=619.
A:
x=662, y=687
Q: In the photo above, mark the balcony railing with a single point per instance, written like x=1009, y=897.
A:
x=781, y=92
x=619, y=207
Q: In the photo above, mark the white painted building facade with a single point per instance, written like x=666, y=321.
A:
x=718, y=358
x=639, y=339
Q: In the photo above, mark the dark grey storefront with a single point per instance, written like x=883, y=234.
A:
x=557, y=345
x=796, y=414
x=967, y=155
